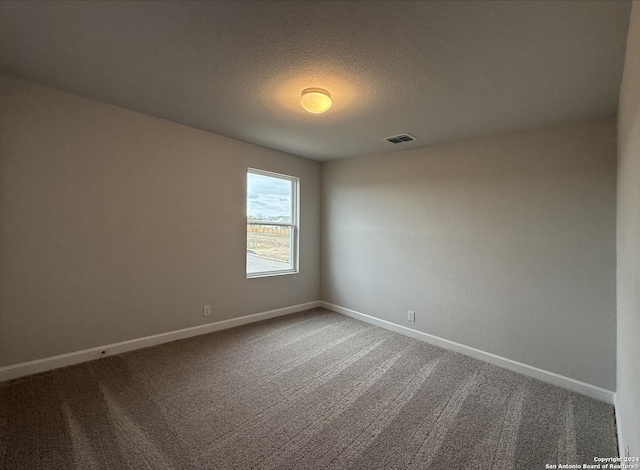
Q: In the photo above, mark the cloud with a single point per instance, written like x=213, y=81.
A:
x=268, y=196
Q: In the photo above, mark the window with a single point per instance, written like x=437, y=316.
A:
x=272, y=223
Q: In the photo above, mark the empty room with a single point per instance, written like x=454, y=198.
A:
x=319, y=235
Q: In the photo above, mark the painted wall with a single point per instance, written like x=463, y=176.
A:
x=116, y=225
x=505, y=244
x=628, y=231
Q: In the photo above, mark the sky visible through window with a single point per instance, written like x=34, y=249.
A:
x=268, y=198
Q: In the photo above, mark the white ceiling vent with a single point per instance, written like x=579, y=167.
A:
x=398, y=139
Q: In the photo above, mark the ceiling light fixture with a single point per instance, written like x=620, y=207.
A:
x=315, y=100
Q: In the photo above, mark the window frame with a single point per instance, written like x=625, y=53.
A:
x=294, y=225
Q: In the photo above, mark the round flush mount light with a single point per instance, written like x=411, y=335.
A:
x=315, y=100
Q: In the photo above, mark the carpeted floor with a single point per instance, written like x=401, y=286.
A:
x=314, y=390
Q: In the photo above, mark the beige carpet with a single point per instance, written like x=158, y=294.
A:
x=314, y=390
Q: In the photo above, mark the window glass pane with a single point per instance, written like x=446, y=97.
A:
x=268, y=248
x=268, y=199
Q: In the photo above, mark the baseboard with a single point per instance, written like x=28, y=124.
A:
x=621, y=446
x=55, y=362
x=540, y=374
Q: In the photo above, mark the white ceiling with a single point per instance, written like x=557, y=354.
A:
x=441, y=71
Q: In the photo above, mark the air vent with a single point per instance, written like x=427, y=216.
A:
x=398, y=139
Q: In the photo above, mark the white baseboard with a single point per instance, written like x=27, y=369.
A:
x=42, y=365
x=55, y=362
x=621, y=447
x=540, y=374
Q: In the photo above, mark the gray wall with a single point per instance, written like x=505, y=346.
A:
x=116, y=225
x=628, y=281
x=505, y=244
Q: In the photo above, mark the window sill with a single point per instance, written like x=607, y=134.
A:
x=272, y=273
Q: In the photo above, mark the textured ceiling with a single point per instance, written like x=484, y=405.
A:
x=441, y=71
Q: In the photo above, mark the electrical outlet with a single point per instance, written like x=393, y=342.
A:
x=411, y=315
x=206, y=311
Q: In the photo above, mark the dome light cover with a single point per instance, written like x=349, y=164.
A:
x=315, y=100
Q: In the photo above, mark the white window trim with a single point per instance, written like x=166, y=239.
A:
x=295, y=224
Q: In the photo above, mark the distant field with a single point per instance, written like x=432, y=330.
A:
x=270, y=245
